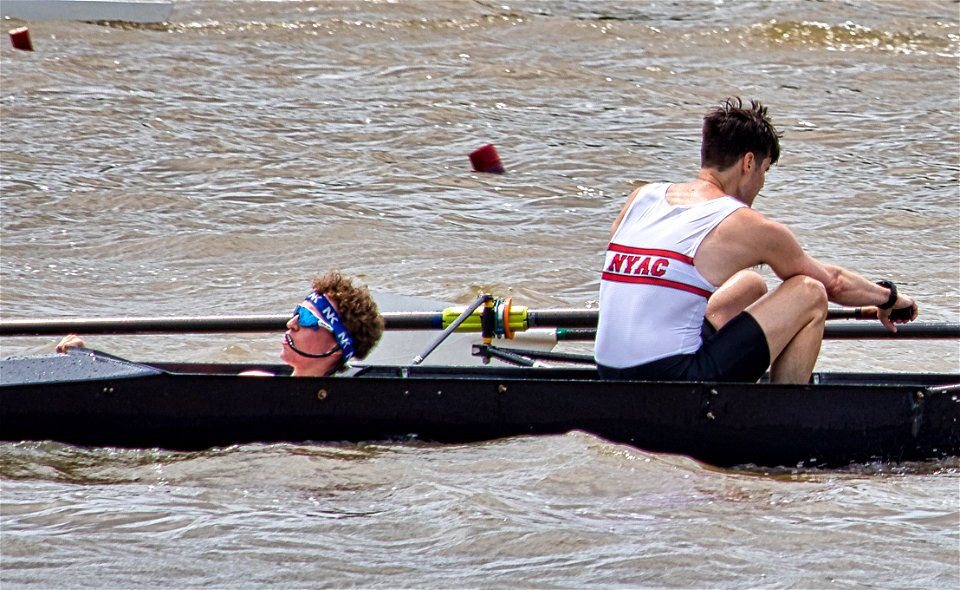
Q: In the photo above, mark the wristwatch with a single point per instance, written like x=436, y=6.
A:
x=893, y=294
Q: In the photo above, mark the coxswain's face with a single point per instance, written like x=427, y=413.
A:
x=314, y=340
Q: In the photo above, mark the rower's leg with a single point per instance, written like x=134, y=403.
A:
x=734, y=296
x=792, y=318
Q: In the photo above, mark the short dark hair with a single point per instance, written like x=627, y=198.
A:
x=730, y=131
x=355, y=307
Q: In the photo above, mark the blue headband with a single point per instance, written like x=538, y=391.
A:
x=331, y=316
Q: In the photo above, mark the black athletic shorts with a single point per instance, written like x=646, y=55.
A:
x=737, y=352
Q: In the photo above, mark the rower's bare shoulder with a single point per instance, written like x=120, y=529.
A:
x=771, y=241
x=751, y=219
x=623, y=210
x=633, y=195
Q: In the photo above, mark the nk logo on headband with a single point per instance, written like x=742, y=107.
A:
x=333, y=318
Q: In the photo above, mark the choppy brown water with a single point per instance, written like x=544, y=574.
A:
x=214, y=164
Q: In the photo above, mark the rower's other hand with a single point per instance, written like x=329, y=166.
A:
x=905, y=310
x=70, y=341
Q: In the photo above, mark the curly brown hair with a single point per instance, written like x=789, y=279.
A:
x=356, y=307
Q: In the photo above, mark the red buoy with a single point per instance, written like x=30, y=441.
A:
x=486, y=159
x=21, y=39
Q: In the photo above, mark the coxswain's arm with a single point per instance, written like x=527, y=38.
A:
x=70, y=341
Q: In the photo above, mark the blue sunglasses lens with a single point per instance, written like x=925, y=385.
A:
x=307, y=319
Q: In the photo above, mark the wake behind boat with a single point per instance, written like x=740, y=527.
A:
x=90, y=398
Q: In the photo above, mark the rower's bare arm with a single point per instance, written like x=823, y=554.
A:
x=858, y=290
x=783, y=253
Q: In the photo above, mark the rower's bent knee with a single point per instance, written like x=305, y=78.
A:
x=751, y=283
x=812, y=293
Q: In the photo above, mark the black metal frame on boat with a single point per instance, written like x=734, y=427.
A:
x=90, y=398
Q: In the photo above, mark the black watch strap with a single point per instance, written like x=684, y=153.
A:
x=893, y=294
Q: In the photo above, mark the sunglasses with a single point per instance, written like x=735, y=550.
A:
x=329, y=321
x=307, y=319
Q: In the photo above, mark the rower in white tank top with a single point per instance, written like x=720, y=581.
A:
x=652, y=298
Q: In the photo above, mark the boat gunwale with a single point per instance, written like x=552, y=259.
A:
x=934, y=382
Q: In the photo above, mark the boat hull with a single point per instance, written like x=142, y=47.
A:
x=845, y=419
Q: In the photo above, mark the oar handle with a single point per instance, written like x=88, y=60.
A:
x=852, y=313
x=835, y=331
x=866, y=313
x=912, y=331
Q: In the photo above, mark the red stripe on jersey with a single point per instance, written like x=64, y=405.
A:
x=609, y=276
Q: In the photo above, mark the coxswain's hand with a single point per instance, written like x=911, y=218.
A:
x=70, y=341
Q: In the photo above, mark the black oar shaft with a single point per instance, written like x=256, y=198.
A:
x=427, y=320
x=580, y=323
x=852, y=331
x=170, y=325
x=568, y=318
x=418, y=320
x=872, y=331
x=413, y=320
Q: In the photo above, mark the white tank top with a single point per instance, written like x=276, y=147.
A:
x=652, y=298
